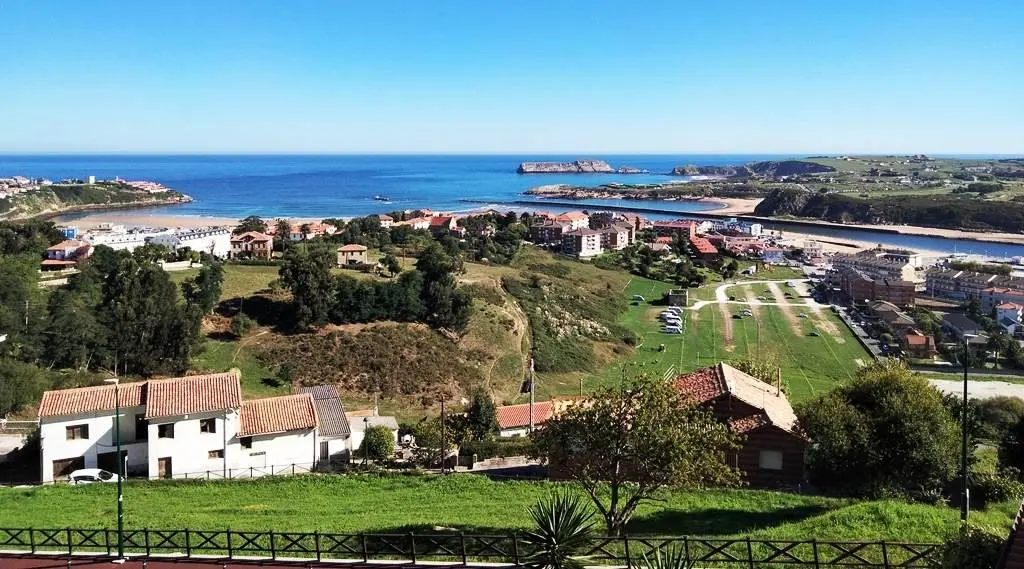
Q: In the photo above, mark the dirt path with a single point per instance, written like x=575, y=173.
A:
x=751, y=296
x=787, y=310
x=727, y=343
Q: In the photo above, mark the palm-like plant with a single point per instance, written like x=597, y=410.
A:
x=670, y=557
x=564, y=525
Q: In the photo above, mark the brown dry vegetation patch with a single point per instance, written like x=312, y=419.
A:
x=787, y=311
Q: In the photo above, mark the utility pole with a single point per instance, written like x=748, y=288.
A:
x=120, y=465
x=533, y=389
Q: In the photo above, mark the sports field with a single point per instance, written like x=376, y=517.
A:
x=813, y=348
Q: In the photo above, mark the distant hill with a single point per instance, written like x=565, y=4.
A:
x=766, y=169
x=575, y=167
x=60, y=198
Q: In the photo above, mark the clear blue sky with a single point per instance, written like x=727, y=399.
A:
x=488, y=76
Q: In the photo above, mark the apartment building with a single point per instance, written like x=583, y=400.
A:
x=215, y=241
x=955, y=284
x=584, y=243
x=882, y=264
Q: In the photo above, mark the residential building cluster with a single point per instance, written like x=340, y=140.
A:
x=188, y=426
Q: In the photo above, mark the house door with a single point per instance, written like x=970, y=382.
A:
x=325, y=452
x=108, y=461
x=63, y=467
x=163, y=467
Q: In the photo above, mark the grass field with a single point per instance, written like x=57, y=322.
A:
x=472, y=503
x=810, y=365
x=239, y=280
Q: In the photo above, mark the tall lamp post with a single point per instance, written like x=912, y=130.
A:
x=120, y=467
x=965, y=491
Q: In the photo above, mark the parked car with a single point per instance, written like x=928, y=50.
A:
x=638, y=298
x=91, y=475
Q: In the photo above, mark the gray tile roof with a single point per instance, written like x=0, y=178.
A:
x=329, y=410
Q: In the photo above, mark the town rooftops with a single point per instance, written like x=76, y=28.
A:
x=251, y=236
x=330, y=411
x=441, y=220
x=583, y=232
x=68, y=244
x=193, y=394
x=918, y=339
x=161, y=397
x=277, y=415
x=960, y=322
x=1009, y=306
x=708, y=384
x=573, y=216
x=352, y=248
x=383, y=217
x=703, y=246
x=90, y=399
x=514, y=416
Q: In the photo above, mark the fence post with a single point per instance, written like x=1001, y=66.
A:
x=231, y=473
x=885, y=555
x=462, y=542
x=412, y=544
x=273, y=546
x=366, y=556
x=32, y=539
x=686, y=548
x=250, y=472
x=515, y=548
x=814, y=546
x=231, y=551
x=67, y=532
x=750, y=554
x=188, y=543
x=316, y=543
x=106, y=540
x=629, y=559
x=293, y=469
x=145, y=536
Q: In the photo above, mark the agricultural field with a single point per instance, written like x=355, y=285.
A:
x=400, y=504
x=813, y=348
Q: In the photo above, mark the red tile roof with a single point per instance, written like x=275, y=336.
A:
x=1009, y=306
x=352, y=248
x=383, y=217
x=441, y=220
x=277, y=415
x=706, y=385
x=918, y=340
x=702, y=245
x=512, y=416
x=68, y=244
x=744, y=425
x=702, y=385
x=57, y=263
x=251, y=236
x=193, y=394
x=90, y=399
x=573, y=216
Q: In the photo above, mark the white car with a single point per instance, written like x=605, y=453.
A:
x=90, y=475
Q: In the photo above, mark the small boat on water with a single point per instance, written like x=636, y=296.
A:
x=382, y=198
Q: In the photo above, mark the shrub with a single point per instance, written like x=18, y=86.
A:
x=989, y=487
x=974, y=547
x=241, y=325
x=378, y=443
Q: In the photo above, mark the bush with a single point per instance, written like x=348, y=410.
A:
x=974, y=547
x=997, y=416
x=988, y=487
x=241, y=325
x=378, y=443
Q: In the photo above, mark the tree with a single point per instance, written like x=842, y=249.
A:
x=304, y=230
x=378, y=443
x=997, y=416
x=203, y=291
x=306, y=271
x=884, y=432
x=391, y=263
x=482, y=416
x=427, y=434
x=283, y=231
x=626, y=443
x=241, y=325
x=251, y=223
x=20, y=384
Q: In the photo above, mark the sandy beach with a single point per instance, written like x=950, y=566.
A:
x=139, y=218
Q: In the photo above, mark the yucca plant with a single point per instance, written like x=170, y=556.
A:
x=564, y=523
x=669, y=557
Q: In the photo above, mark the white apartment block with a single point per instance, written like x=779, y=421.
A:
x=584, y=243
x=173, y=428
x=215, y=241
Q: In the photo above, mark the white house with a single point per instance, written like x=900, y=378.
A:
x=584, y=243
x=170, y=428
x=1008, y=315
x=576, y=219
x=333, y=431
x=514, y=420
x=213, y=240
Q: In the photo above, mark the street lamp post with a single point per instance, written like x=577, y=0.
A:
x=965, y=491
x=120, y=467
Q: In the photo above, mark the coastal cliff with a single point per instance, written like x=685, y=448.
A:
x=574, y=167
x=64, y=198
x=767, y=169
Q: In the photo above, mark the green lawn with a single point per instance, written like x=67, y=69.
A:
x=810, y=365
x=472, y=503
x=239, y=280
x=220, y=355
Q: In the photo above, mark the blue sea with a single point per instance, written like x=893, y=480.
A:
x=235, y=186
x=344, y=185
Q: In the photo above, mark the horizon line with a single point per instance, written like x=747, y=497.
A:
x=580, y=154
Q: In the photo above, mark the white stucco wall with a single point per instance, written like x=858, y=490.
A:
x=189, y=449
x=55, y=445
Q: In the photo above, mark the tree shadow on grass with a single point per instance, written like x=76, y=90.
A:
x=716, y=521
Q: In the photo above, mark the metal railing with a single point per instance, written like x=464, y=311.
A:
x=466, y=549
x=246, y=472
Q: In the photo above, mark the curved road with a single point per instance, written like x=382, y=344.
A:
x=722, y=297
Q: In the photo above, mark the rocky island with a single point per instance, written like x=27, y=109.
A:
x=574, y=167
x=765, y=169
x=21, y=198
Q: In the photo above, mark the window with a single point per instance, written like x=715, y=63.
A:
x=770, y=460
x=75, y=432
x=165, y=431
x=141, y=427
x=218, y=453
x=208, y=425
x=246, y=442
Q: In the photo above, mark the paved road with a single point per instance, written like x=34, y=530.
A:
x=979, y=389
